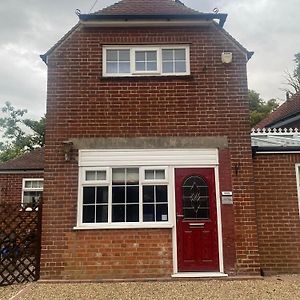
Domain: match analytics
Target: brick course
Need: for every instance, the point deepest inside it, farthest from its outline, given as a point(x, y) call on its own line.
point(277, 212)
point(81, 103)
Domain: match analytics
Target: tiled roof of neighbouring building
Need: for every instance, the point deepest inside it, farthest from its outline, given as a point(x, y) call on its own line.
point(33, 160)
point(286, 110)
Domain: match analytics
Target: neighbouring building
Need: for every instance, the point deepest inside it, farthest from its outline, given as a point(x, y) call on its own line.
point(21, 179)
point(287, 115)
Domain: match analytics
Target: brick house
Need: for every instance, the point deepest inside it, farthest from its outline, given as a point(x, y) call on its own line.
point(148, 161)
point(21, 179)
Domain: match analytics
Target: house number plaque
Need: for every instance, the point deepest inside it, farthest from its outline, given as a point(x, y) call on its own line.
point(227, 197)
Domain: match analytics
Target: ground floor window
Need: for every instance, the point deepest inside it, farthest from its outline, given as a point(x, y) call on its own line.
point(32, 191)
point(123, 195)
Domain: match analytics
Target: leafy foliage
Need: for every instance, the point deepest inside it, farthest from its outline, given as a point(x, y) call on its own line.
point(15, 130)
point(259, 109)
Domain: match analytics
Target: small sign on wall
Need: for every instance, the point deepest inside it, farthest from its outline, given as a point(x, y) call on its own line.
point(227, 197)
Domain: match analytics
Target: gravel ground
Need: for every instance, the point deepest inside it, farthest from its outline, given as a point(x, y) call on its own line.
point(8, 291)
point(283, 287)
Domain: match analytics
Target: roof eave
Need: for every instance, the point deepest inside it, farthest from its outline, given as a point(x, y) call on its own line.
point(84, 18)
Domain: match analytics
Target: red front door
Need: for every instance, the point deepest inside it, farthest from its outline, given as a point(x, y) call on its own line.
point(197, 237)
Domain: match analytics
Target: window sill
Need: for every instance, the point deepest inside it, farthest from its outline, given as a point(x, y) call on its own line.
point(147, 77)
point(127, 226)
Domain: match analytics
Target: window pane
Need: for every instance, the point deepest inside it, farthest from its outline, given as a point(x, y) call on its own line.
point(32, 197)
point(132, 213)
point(112, 67)
point(161, 193)
point(151, 56)
point(35, 184)
point(179, 54)
point(148, 193)
point(132, 176)
point(140, 66)
point(124, 55)
point(101, 213)
point(118, 176)
point(180, 66)
point(132, 194)
point(41, 184)
point(88, 214)
point(28, 184)
point(124, 67)
point(102, 194)
point(90, 175)
point(167, 54)
point(88, 195)
point(112, 55)
point(148, 212)
point(151, 66)
point(149, 174)
point(160, 174)
point(118, 194)
point(140, 56)
point(167, 67)
point(118, 213)
point(101, 175)
point(161, 212)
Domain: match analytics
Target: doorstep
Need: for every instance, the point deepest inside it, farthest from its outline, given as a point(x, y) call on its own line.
point(199, 275)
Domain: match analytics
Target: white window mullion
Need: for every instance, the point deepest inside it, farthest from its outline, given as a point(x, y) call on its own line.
point(109, 209)
point(140, 196)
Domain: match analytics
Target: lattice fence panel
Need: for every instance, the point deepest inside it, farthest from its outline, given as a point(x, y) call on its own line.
point(20, 243)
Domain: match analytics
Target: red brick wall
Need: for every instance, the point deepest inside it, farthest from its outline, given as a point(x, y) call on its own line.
point(227, 214)
point(11, 186)
point(210, 102)
point(277, 212)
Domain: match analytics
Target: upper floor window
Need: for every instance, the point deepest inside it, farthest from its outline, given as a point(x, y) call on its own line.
point(146, 60)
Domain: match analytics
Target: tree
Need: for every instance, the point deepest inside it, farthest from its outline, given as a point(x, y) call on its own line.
point(259, 109)
point(20, 135)
point(293, 79)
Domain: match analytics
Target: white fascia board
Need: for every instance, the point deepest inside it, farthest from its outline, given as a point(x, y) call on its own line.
point(146, 23)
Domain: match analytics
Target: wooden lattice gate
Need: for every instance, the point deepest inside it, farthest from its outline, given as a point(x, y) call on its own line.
point(20, 243)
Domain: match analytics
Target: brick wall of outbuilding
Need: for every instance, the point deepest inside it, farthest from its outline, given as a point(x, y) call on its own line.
point(277, 212)
point(81, 103)
point(11, 185)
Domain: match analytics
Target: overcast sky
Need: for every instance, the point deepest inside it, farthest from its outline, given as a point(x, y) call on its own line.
point(29, 28)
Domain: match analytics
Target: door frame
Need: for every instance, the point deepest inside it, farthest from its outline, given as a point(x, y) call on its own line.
point(219, 219)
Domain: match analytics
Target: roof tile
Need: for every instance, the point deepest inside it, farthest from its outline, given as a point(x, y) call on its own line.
point(33, 160)
point(288, 108)
point(147, 7)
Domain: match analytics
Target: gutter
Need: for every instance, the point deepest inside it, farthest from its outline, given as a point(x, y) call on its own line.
point(85, 18)
point(275, 150)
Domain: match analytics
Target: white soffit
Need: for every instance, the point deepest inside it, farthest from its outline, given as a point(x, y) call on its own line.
point(148, 157)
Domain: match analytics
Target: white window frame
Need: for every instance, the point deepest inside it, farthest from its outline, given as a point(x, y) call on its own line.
point(134, 48)
point(297, 167)
point(116, 225)
point(25, 189)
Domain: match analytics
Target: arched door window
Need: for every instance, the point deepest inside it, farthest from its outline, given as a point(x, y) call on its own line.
point(195, 198)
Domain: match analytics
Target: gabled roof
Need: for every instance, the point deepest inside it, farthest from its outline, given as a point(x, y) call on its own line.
point(33, 160)
point(151, 10)
point(149, 7)
point(288, 109)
